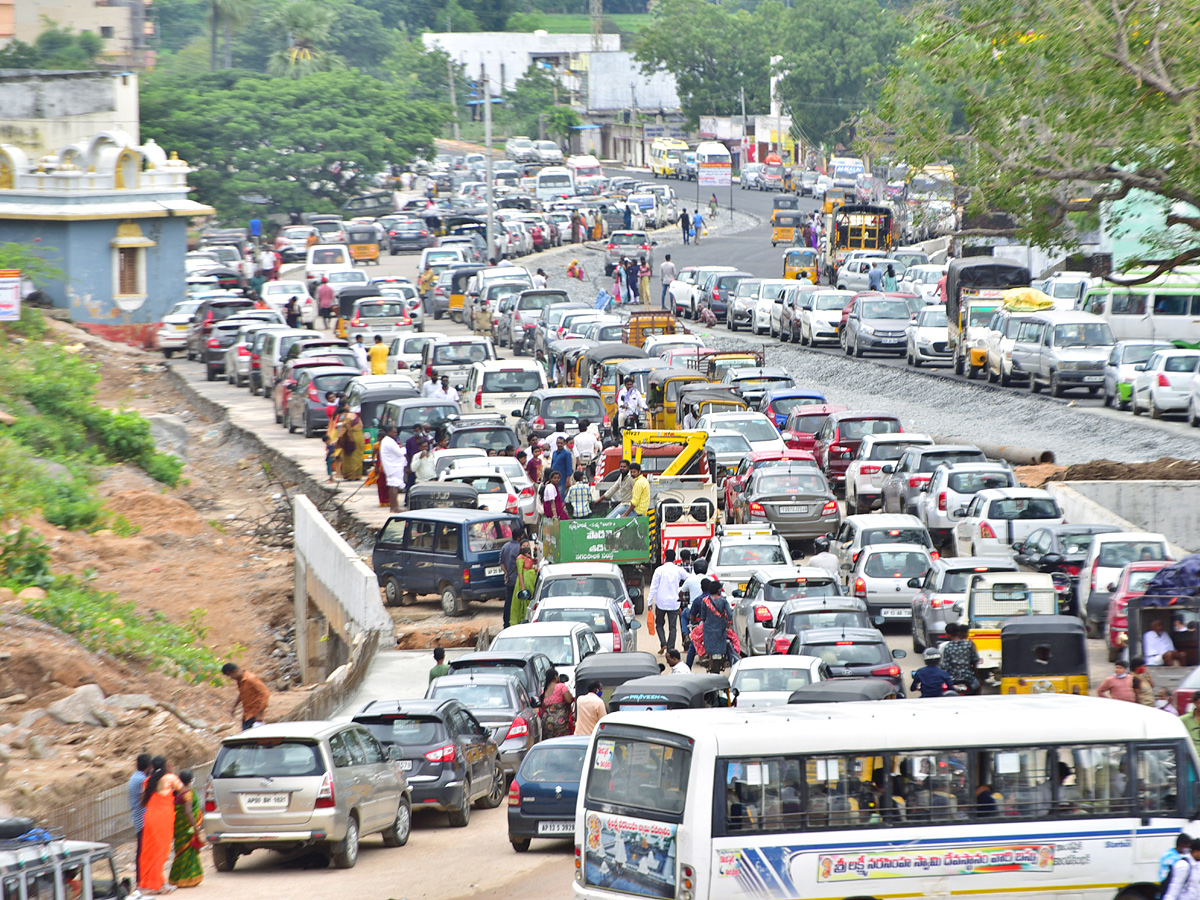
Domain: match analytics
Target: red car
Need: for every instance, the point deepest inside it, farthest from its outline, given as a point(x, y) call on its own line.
point(837, 441)
point(803, 423)
point(735, 482)
point(1130, 584)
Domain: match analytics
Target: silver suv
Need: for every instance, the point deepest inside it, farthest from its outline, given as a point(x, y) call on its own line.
point(1062, 350)
point(293, 785)
point(627, 245)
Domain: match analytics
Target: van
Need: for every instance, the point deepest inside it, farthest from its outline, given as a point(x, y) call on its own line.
point(323, 259)
point(453, 358)
point(1166, 309)
point(1062, 351)
point(443, 255)
point(501, 385)
point(552, 183)
point(667, 158)
point(586, 173)
point(408, 413)
point(376, 204)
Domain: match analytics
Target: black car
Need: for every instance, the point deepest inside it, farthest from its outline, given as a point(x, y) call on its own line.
point(545, 409)
point(450, 759)
point(718, 292)
point(1059, 548)
point(223, 333)
point(207, 314)
point(306, 403)
point(409, 234)
point(851, 652)
point(502, 704)
point(484, 432)
point(541, 803)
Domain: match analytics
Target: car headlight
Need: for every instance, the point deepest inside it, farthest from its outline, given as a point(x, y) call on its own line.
point(1068, 365)
point(866, 329)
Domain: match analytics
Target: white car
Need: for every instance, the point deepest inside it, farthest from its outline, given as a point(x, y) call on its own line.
point(757, 608)
point(769, 680)
point(566, 643)
point(172, 335)
point(468, 456)
point(497, 385)
point(768, 304)
point(669, 201)
point(922, 280)
point(864, 475)
point(548, 152)
point(757, 428)
point(407, 349)
point(612, 630)
point(881, 576)
point(738, 551)
point(925, 337)
point(855, 275)
point(819, 319)
point(278, 293)
point(1002, 334)
point(1119, 370)
point(346, 278)
point(996, 518)
point(558, 580)
point(1163, 383)
point(1107, 556)
point(496, 492)
point(323, 259)
point(951, 487)
point(691, 300)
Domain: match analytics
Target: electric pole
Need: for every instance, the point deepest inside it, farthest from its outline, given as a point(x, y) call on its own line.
point(487, 139)
point(596, 7)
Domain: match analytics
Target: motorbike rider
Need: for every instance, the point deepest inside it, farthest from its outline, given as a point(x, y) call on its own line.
point(630, 402)
point(931, 678)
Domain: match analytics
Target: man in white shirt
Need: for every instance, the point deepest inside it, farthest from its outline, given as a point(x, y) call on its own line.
point(675, 661)
point(664, 594)
point(586, 447)
point(666, 274)
point(445, 391)
point(629, 402)
point(825, 560)
point(539, 280)
point(266, 263)
point(394, 461)
point(1159, 649)
point(360, 353)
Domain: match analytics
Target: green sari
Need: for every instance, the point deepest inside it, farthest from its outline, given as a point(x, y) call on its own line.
point(526, 579)
point(186, 870)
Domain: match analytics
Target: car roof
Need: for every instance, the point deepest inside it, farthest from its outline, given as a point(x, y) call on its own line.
point(827, 635)
point(451, 514)
point(1013, 493)
point(941, 448)
point(601, 568)
point(574, 601)
point(989, 466)
point(790, 573)
point(1082, 528)
point(835, 603)
point(1128, 536)
point(477, 677)
point(307, 730)
point(565, 392)
point(813, 408)
point(872, 549)
point(960, 563)
point(769, 455)
point(902, 437)
point(850, 415)
point(542, 628)
point(421, 706)
point(775, 661)
point(885, 520)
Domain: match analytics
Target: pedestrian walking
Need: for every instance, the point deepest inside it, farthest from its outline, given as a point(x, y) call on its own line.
point(697, 226)
point(1118, 685)
point(526, 579)
point(508, 560)
point(667, 272)
point(664, 594)
point(557, 705)
point(631, 281)
point(712, 206)
point(291, 312)
point(137, 806)
point(1184, 881)
point(589, 708)
point(644, 282)
point(359, 349)
point(579, 497)
point(889, 278)
point(552, 496)
point(325, 301)
point(158, 830)
point(686, 224)
point(439, 667)
point(186, 869)
point(252, 697)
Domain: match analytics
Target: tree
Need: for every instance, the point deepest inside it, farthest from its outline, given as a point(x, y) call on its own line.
point(1069, 107)
point(308, 25)
point(55, 47)
point(285, 145)
point(561, 120)
point(358, 35)
point(227, 14)
point(34, 266)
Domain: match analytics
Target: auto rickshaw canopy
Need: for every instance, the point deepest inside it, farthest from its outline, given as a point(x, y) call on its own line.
point(705, 691)
point(1043, 646)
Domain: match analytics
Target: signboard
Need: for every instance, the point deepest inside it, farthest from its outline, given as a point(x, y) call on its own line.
point(619, 540)
point(654, 132)
point(625, 855)
point(10, 295)
point(715, 174)
point(907, 863)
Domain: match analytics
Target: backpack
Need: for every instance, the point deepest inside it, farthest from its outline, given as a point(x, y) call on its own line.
point(1166, 882)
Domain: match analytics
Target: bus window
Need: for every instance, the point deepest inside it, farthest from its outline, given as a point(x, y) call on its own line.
point(1157, 781)
point(1019, 780)
point(1093, 780)
point(639, 777)
point(12, 887)
point(931, 786)
point(838, 794)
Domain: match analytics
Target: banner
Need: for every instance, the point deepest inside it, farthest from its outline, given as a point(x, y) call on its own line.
point(630, 856)
point(906, 863)
point(715, 174)
point(10, 295)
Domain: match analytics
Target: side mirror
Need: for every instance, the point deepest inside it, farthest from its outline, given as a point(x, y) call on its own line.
point(524, 595)
point(924, 488)
point(1053, 559)
point(738, 592)
point(516, 413)
point(395, 752)
point(821, 543)
point(914, 582)
point(899, 654)
point(635, 624)
point(1112, 586)
point(1140, 367)
point(888, 469)
point(1018, 547)
point(959, 513)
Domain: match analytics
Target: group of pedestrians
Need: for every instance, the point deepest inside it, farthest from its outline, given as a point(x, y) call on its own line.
point(687, 602)
point(631, 281)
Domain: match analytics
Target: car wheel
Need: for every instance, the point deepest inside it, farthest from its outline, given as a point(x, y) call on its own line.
point(396, 834)
point(308, 431)
point(857, 349)
point(499, 789)
point(784, 338)
point(224, 857)
point(1056, 388)
point(521, 845)
point(168, 353)
point(992, 377)
point(729, 323)
point(287, 420)
point(452, 602)
point(1122, 405)
point(918, 645)
point(345, 852)
point(209, 374)
point(1108, 398)
point(805, 340)
point(1191, 415)
point(1155, 412)
point(1005, 377)
point(436, 313)
point(393, 593)
point(191, 357)
point(972, 372)
point(1035, 386)
point(461, 816)
point(1133, 405)
point(959, 365)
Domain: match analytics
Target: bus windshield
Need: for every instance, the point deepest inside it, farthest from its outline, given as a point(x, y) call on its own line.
point(640, 777)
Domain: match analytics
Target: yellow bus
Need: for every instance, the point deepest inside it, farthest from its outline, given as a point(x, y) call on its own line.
point(666, 157)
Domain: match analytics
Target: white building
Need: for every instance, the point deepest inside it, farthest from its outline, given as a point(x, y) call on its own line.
point(43, 111)
point(503, 57)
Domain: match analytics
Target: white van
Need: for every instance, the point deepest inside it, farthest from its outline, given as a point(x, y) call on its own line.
point(586, 174)
point(443, 256)
point(325, 258)
point(552, 183)
point(501, 385)
point(1166, 309)
point(713, 159)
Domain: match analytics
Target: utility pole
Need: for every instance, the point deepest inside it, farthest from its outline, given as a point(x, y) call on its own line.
point(487, 139)
point(453, 98)
point(596, 8)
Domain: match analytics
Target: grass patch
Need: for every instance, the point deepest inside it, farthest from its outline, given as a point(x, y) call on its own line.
point(581, 23)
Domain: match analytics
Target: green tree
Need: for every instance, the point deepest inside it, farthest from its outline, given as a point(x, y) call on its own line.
point(35, 266)
point(56, 47)
point(305, 144)
point(359, 35)
point(1068, 106)
point(560, 120)
point(492, 15)
point(307, 25)
point(227, 14)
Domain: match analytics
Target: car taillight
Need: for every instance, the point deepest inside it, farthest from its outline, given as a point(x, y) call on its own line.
point(860, 588)
point(325, 798)
point(716, 293)
point(518, 728)
point(208, 319)
point(830, 509)
point(442, 754)
point(242, 351)
point(783, 644)
point(762, 614)
point(517, 318)
point(933, 554)
point(942, 501)
point(938, 602)
point(985, 530)
point(255, 361)
point(528, 492)
point(479, 398)
point(610, 246)
point(645, 246)
point(756, 509)
point(424, 234)
point(392, 234)
point(616, 638)
point(854, 558)
point(869, 470)
point(917, 480)
point(312, 393)
point(606, 422)
point(356, 322)
point(1095, 566)
point(514, 794)
point(511, 506)
point(466, 575)
point(887, 672)
point(210, 799)
point(539, 422)
point(213, 342)
point(1163, 381)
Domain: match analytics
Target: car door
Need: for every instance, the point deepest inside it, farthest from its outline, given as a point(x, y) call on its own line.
point(447, 563)
point(892, 487)
point(350, 784)
point(965, 529)
point(1025, 347)
point(1033, 548)
point(383, 783)
point(466, 730)
point(419, 561)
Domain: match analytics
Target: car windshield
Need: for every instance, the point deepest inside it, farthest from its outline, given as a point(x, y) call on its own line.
point(829, 302)
point(403, 730)
point(958, 581)
point(924, 276)
point(1115, 554)
point(794, 623)
point(538, 301)
point(857, 429)
point(751, 555)
point(484, 484)
point(972, 482)
point(727, 443)
point(598, 620)
point(581, 586)
point(573, 408)
point(333, 383)
point(1082, 334)
point(886, 451)
point(557, 647)
point(268, 759)
point(885, 309)
point(497, 439)
point(380, 310)
point(446, 255)
point(981, 316)
point(798, 589)
point(459, 354)
point(347, 277)
point(788, 483)
point(1024, 508)
point(914, 535)
point(430, 415)
point(1138, 353)
point(414, 346)
point(896, 564)
point(930, 461)
point(809, 424)
point(752, 429)
point(934, 317)
point(783, 678)
point(511, 381)
point(848, 653)
point(474, 695)
point(558, 765)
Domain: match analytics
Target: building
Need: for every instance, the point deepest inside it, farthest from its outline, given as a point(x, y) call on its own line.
point(122, 24)
point(753, 140)
point(503, 57)
point(43, 111)
point(113, 216)
point(625, 109)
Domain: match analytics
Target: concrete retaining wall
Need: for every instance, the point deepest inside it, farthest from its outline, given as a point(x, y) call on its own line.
point(1134, 506)
point(336, 595)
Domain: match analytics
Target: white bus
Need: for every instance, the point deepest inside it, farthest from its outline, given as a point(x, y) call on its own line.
point(1166, 309)
point(553, 183)
point(845, 171)
point(1028, 795)
point(587, 173)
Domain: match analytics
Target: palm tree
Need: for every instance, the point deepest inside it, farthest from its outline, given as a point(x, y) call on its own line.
point(307, 25)
point(225, 14)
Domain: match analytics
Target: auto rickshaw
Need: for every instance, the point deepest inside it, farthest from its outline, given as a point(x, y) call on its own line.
point(785, 226)
point(572, 355)
point(662, 394)
point(701, 397)
point(610, 670)
point(994, 598)
point(556, 357)
point(1043, 655)
point(642, 325)
point(439, 494)
point(784, 203)
point(459, 280)
point(672, 692)
point(834, 197)
point(800, 263)
point(637, 369)
point(597, 367)
point(843, 690)
point(364, 244)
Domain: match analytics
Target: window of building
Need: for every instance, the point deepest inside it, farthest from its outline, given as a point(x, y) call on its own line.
point(106, 31)
point(127, 270)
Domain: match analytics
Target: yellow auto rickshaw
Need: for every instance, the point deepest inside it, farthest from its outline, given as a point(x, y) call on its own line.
point(834, 197)
point(571, 357)
point(785, 226)
point(784, 203)
point(662, 394)
point(459, 280)
point(642, 324)
point(1043, 655)
point(800, 263)
point(363, 243)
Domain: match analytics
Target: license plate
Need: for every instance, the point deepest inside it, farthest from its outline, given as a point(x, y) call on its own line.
point(493, 570)
point(896, 612)
point(556, 827)
point(890, 341)
point(405, 765)
point(263, 802)
point(1092, 379)
point(179, 327)
point(794, 510)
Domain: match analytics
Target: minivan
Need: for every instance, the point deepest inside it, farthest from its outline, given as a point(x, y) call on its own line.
point(454, 553)
point(1062, 351)
point(407, 414)
point(501, 385)
point(323, 259)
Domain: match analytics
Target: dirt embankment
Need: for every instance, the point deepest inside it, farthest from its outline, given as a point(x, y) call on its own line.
point(1163, 469)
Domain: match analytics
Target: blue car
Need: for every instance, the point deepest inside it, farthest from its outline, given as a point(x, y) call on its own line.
point(541, 799)
point(454, 553)
point(777, 404)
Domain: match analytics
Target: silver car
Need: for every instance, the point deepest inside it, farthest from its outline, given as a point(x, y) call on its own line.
point(888, 577)
point(627, 245)
point(294, 785)
point(237, 357)
point(768, 591)
point(926, 337)
point(613, 631)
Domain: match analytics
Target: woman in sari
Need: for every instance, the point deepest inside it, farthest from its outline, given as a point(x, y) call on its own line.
point(186, 870)
point(159, 826)
point(526, 579)
point(557, 707)
point(350, 442)
point(332, 435)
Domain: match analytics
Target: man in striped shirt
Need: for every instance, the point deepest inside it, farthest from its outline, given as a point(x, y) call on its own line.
point(579, 497)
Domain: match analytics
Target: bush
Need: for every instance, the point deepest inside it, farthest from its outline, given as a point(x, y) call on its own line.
point(164, 467)
point(25, 559)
